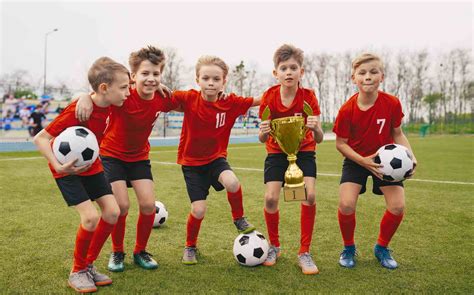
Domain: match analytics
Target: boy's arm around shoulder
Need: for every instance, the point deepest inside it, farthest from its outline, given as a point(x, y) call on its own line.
point(84, 106)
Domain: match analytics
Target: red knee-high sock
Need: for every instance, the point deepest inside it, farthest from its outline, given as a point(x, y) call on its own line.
point(347, 224)
point(118, 234)
point(101, 234)
point(192, 230)
point(272, 220)
point(83, 240)
point(236, 203)
point(144, 227)
point(308, 215)
point(388, 227)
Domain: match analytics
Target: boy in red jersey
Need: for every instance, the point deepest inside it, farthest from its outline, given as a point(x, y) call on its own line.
point(82, 185)
point(202, 152)
point(367, 121)
point(284, 100)
point(125, 153)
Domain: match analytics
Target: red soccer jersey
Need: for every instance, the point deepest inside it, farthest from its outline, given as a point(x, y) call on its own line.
point(272, 99)
point(96, 123)
point(368, 130)
point(130, 126)
point(207, 126)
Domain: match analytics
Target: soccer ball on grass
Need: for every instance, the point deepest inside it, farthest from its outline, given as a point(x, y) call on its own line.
point(250, 249)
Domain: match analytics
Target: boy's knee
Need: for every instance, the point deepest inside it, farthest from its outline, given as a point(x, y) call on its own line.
point(111, 215)
point(311, 199)
point(147, 207)
point(198, 211)
point(271, 201)
point(346, 208)
point(233, 186)
point(89, 221)
point(397, 209)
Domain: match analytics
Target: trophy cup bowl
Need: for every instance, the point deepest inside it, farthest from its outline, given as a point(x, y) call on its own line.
point(289, 132)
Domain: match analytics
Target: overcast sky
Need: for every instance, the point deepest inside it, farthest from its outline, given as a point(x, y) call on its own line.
point(249, 31)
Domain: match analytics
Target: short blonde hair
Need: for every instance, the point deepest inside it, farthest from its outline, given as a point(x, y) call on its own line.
point(104, 70)
point(153, 54)
point(287, 51)
point(207, 60)
point(365, 58)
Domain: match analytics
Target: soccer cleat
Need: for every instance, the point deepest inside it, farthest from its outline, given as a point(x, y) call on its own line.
point(144, 260)
point(347, 256)
point(82, 281)
point(273, 254)
point(384, 257)
point(243, 226)
point(308, 267)
point(116, 262)
point(189, 256)
point(99, 279)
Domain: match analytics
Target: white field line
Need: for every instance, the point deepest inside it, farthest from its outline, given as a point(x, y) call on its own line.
point(331, 174)
point(261, 170)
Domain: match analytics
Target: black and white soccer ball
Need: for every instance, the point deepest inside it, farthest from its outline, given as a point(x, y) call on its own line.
point(76, 142)
point(250, 249)
point(397, 162)
point(161, 214)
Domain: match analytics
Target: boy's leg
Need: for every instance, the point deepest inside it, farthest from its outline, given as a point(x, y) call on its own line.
point(395, 201)
point(272, 220)
point(79, 279)
point(193, 225)
point(308, 215)
point(110, 213)
point(234, 195)
point(348, 196)
point(116, 261)
point(144, 189)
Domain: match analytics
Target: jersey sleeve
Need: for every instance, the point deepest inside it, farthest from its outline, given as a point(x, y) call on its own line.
point(64, 120)
point(169, 103)
point(243, 104)
point(397, 115)
point(342, 124)
point(178, 99)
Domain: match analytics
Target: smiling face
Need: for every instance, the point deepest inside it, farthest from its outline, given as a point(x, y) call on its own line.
point(211, 80)
point(147, 78)
point(289, 73)
point(368, 76)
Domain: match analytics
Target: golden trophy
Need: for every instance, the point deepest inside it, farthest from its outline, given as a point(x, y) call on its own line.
point(289, 132)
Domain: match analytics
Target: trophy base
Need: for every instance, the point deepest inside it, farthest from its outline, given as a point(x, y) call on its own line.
point(295, 193)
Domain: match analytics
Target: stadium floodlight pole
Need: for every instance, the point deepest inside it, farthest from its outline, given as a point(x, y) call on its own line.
point(46, 56)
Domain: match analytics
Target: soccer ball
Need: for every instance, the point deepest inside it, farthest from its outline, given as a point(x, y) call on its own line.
point(250, 249)
point(396, 160)
point(161, 214)
point(76, 142)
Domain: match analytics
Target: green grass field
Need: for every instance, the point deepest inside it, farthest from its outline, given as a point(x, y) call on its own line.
point(434, 244)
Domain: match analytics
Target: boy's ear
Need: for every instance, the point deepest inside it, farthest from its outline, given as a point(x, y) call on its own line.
point(383, 77)
point(103, 87)
point(302, 71)
point(353, 79)
point(275, 74)
point(133, 76)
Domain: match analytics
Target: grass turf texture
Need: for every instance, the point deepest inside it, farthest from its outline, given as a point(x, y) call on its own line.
point(433, 244)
